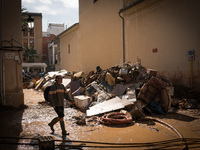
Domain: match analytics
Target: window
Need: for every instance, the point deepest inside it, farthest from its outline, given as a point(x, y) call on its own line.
point(31, 41)
point(56, 61)
point(68, 48)
point(25, 32)
point(25, 42)
point(31, 32)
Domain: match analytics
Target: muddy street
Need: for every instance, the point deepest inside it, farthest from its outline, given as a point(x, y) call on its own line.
point(31, 121)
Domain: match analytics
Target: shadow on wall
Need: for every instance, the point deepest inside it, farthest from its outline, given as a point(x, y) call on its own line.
point(185, 80)
point(183, 89)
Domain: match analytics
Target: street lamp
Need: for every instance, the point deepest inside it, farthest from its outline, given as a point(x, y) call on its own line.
point(30, 22)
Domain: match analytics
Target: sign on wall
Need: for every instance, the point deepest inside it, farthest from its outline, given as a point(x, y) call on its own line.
point(9, 55)
point(191, 55)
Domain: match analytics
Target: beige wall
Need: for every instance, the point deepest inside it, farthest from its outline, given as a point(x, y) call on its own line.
point(69, 54)
point(38, 37)
point(11, 68)
point(170, 26)
point(173, 27)
point(100, 34)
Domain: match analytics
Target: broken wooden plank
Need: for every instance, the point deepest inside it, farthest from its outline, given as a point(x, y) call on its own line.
point(39, 83)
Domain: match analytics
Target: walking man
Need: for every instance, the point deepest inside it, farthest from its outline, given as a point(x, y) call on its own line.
point(56, 96)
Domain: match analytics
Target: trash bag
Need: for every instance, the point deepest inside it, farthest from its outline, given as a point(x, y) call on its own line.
point(156, 108)
point(46, 93)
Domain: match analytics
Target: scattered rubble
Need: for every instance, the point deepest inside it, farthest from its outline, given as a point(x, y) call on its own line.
point(131, 87)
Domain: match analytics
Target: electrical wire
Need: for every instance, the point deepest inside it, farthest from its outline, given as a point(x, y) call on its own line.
point(152, 145)
point(165, 145)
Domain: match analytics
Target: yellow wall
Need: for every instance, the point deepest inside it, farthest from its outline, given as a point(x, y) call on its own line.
point(173, 28)
point(69, 40)
point(100, 34)
point(170, 26)
point(38, 37)
point(11, 68)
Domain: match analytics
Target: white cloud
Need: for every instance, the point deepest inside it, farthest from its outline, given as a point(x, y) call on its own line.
point(54, 11)
point(70, 3)
point(29, 1)
point(37, 1)
point(45, 1)
point(46, 9)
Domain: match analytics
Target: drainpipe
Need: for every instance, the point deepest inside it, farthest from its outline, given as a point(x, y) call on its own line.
point(123, 33)
point(123, 36)
point(1, 77)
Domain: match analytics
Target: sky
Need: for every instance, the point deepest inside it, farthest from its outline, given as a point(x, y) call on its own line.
point(54, 11)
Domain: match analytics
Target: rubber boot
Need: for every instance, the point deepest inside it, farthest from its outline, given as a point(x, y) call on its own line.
point(52, 123)
point(62, 125)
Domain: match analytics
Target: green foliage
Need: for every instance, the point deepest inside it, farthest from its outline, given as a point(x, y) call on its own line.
point(30, 54)
point(24, 19)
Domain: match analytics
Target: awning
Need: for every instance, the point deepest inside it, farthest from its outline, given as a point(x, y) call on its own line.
point(34, 65)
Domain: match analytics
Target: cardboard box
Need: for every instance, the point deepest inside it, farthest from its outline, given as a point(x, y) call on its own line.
point(82, 101)
point(152, 72)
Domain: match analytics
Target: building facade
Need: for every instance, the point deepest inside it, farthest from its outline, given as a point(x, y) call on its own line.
point(159, 32)
point(33, 37)
point(100, 34)
point(164, 34)
point(54, 54)
point(69, 49)
point(55, 28)
point(11, 84)
point(46, 40)
point(63, 49)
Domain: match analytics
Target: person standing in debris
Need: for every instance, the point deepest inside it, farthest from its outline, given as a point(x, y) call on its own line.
point(56, 96)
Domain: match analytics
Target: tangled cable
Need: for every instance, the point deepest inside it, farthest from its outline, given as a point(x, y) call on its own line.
point(161, 145)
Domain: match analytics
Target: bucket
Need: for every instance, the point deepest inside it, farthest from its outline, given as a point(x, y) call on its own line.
point(123, 72)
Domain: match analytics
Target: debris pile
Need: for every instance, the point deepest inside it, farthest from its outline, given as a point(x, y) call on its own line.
point(49, 78)
point(131, 87)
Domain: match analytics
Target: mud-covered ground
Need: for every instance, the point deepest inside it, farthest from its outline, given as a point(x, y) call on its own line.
point(30, 122)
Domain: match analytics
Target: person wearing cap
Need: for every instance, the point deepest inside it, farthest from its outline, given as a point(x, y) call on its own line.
point(57, 94)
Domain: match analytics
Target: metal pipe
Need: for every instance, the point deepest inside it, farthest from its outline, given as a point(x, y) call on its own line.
point(1, 64)
point(123, 37)
point(123, 31)
point(4, 82)
point(191, 61)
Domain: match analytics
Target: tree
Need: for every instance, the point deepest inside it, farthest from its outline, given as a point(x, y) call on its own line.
point(24, 19)
point(30, 54)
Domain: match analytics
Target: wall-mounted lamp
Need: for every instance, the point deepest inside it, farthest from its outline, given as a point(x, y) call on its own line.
point(30, 22)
